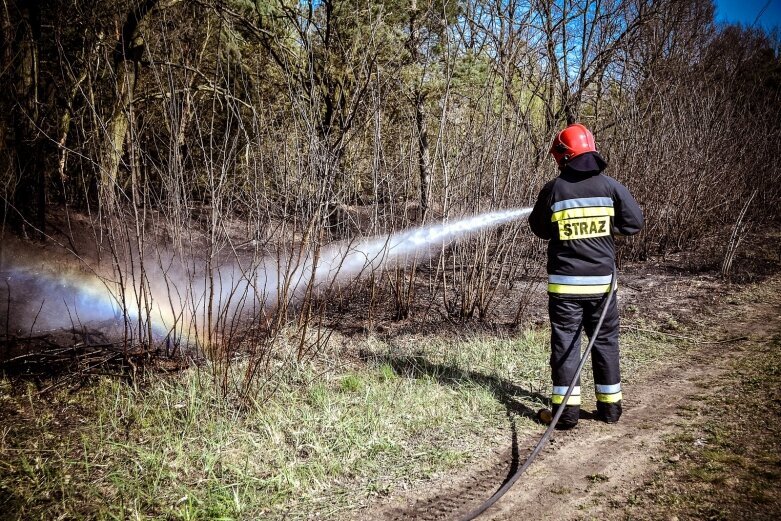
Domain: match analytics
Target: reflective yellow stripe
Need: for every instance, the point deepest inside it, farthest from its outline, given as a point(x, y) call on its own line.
point(574, 213)
point(558, 399)
point(568, 289)
point(609, 398)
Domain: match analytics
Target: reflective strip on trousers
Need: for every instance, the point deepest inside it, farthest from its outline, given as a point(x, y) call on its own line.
point(559, 391)
point(579, 284)
point(608, 393)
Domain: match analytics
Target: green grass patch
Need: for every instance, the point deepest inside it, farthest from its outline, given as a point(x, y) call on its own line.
point(323, 436)
point(597, 478)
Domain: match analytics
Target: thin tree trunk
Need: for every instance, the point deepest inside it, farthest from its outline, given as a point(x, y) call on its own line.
point(30, 191)
point(424, 157)
point(116, 131)
point(127, 55)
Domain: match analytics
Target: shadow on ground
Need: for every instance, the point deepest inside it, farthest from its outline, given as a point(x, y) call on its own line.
point(507, 393)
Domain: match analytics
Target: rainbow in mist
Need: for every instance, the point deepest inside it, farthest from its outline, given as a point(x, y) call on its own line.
point(173, 303)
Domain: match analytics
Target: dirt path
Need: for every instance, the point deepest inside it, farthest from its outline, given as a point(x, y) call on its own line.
point(584, 473)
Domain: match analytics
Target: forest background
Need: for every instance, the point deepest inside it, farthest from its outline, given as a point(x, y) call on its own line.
point(232, 130)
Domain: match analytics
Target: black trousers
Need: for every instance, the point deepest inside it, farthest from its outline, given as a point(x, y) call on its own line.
point(569, 318)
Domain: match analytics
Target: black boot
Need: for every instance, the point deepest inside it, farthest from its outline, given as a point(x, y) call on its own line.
point(609, 412)
point(569, 418)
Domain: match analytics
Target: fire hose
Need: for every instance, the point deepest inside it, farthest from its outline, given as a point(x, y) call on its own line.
point(546, 436)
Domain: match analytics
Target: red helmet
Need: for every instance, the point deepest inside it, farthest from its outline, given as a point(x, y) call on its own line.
point(571, 142)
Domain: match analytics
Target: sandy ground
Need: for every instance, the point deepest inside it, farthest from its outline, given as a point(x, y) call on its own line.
point(584, 473)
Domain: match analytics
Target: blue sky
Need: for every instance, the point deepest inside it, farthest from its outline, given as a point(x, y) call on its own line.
point(746, 11)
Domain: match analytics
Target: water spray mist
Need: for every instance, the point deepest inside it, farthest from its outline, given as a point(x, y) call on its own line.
point(174, 302)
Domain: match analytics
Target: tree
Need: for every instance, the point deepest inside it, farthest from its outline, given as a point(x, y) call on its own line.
point(24, 201)
point(127, 55)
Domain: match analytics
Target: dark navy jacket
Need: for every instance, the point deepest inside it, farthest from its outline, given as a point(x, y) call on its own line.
point(579, 212)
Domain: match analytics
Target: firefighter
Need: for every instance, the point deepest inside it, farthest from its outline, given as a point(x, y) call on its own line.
point(579, 213)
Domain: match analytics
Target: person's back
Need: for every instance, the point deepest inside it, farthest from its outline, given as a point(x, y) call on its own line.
point(579, 212)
